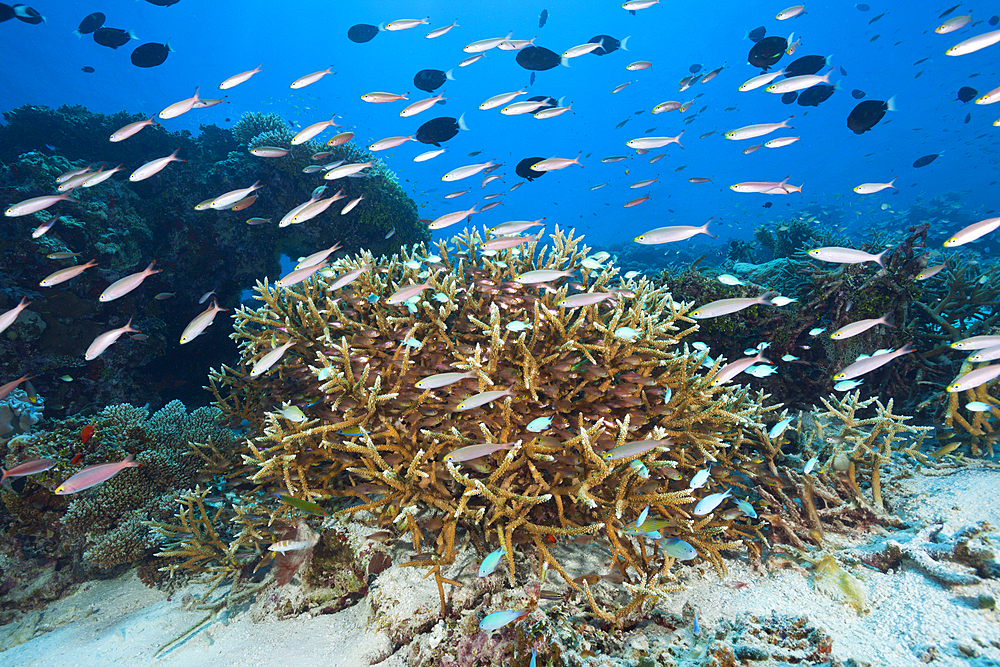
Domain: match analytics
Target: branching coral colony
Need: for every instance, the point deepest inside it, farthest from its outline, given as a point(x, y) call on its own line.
point(605, 374)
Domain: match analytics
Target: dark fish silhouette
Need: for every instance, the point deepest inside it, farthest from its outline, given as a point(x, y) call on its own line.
point(88, 69)
point(524, 170)
point(767, 204)
point(542, 18)
point(361, 33)
point(789, 98)
point(610, 44)
point(858, 94)
point(151, 54)
point(843, 72)
point(538, 58)
point(968, 117)
point(948, 11)
point(862, 7)
point(994, 20)
point(926, 160)
point(163, 3)
point(767, 52)
point(438, 130)
point(867, 114)
point(113, 37)
point(967, 94)
point(550, 103)
point(806, 65)
point(27, 14)
point(815, 95)
point(756, 34)
point(90, 23)
point(694, 69)
point(429, 80)
point(531, 81)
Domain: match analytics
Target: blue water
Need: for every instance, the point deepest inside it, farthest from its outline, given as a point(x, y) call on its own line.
point(216, 40)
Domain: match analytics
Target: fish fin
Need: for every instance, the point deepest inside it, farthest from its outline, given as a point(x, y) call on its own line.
point(564, 61)
point(168, 47)
point(891, 104)
point(621, 44)
point(78, 33)
point(878, 257)
point(461, 125)
point(381, 27)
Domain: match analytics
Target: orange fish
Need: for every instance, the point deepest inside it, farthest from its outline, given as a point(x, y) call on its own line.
point(76, 459)
point(85, 434)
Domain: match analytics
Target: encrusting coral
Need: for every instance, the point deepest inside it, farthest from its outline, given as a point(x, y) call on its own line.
point(342, 416)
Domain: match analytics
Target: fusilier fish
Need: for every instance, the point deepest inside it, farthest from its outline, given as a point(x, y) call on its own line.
point(471, 452)
point(654, 142)
point(403, 24)
point(421, 105)
point(974, 44)
point(466, 171)
point(347, 278)
point(482, 398)
point(541, 276)
point(130, 130)
point(796, 83)
point(486, 44)
point(317, 257)
point(35, 204)
point(178, 108)
point(976, 343)
point(265, 363)
point(760, 80)
point(404, 293)
point(859, 327)
point(731, 370)
point(106, 340)
point(10, 316)
point(311, 131)
point(298, 275)
point(443, 380)
point(972, 232)
point(584, 299)
point(975, 378)
point(237, 79)
point(226, 200)
point(872, 188)
point(501, 99)
point(32, 467)
point(94, 475)
point(728, 306)
point(634, 448)
point(308, 79)
point(154, 167)
point(984, 355)
point(201, 322)
point(121, 287)
point(63, 275)
point(553, 163)
point(449, 219)
point(868, 364)
point(751, 131)
point(672, 234)
point(846, 255)
point(390, 142)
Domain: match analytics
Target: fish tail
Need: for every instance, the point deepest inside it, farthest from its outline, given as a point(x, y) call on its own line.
point(878, 257)
point(78, 33)
point(132, 35)
point(891, 104)
point(564, 61)
point(461, 123)
point(622, 46)
point(169, 47)
point(448, 75)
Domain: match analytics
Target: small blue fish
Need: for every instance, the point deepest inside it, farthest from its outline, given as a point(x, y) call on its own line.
point(517, 326)
point(539, 425)
point(372, 298)
point(498, 619)
point(642, 518)
point(679, 549)
point(779, 428)
point(746, 507)
point(810, 464)
point(697, 630)
point(700, 478)
point(667, 395)
point(640, 468)
point(789, 357)
point(441, 296)
point(413, 342)
point(709, 503)
point(490, 562)
point(847, 385)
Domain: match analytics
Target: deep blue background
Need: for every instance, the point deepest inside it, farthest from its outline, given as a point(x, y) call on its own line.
point(214, 40)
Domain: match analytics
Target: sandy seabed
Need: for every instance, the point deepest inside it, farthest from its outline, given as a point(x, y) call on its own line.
point(912, 618)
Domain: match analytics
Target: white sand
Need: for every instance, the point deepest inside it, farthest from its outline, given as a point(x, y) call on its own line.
point(121, 622)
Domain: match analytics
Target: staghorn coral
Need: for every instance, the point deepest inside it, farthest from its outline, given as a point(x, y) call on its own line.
point(372, 435)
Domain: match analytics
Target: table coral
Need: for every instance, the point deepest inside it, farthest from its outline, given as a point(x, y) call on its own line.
point(353, 369)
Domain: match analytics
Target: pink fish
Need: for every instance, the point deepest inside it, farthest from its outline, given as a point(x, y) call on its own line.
point(11, 386)
point(94, 475)
point(32, 467)
point(10, 316)
point(122, 287)
point(404, 293)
